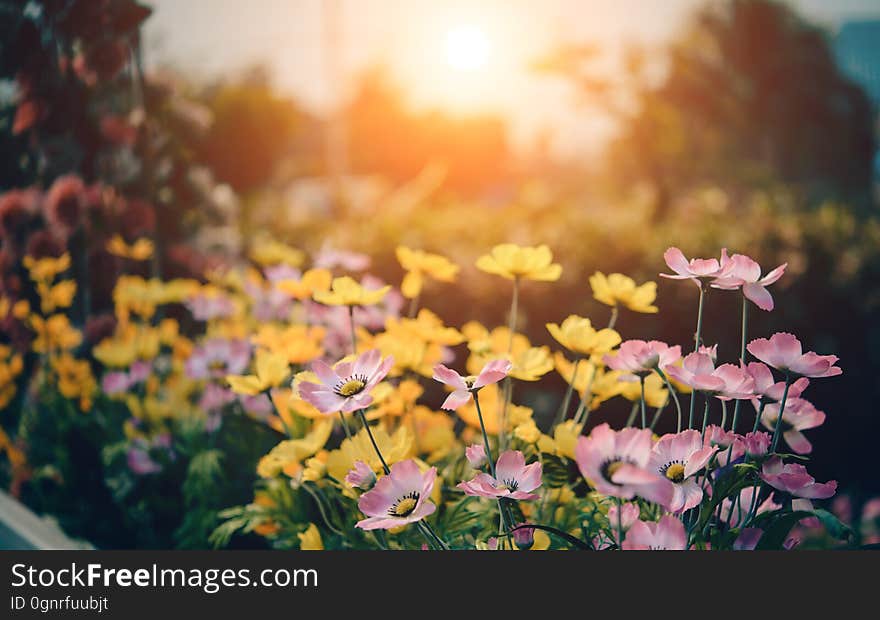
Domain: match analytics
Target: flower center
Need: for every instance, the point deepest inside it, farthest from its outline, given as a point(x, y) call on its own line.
point(610, 467)
point(351, 386)
point(508, 485)
point(470, 380)
point(674, 471)
point(405, 505)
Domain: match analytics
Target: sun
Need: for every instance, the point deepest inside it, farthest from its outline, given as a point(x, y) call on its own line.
point(467, 48)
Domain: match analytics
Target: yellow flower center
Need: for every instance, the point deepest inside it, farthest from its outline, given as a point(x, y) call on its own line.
point(404, 506)
point(351, 387)
point(612, 468)
point(675, 472)
point(470, 380)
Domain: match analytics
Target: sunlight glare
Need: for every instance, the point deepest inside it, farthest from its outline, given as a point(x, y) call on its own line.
point(467, 48)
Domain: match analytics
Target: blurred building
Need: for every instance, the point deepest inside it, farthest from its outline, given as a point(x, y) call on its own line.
point(857, 49)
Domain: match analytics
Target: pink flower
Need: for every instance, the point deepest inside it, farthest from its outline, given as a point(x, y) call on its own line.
point(730, 445)
point(218, 357)
point(725, 382)
point(678, 457)
point(346, 387)
point(616, 463)
point(330, 258)
point(524, 536)
point(667, 534)
point(696, 269)
point(399, 498)
point(734, 511)
point(140, 462)
point(799, 415)
point(769, 388)
point(629, 514)
point(215, 397)
point(115, 382)
point(783, 352)
point(757, 443)
point(641, 358)
point(361, 476)
point(492, 372)
point(208, 307)
point(794, 479)
point(741, 271)
point(476, 455)
point(748, 539)
point(513, 479)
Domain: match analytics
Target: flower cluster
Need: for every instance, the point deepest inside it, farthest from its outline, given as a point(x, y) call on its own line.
point(366, 449)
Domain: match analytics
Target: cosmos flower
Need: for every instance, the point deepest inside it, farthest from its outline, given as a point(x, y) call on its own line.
point(399, 498)
point(513, 479)
point(346, 386)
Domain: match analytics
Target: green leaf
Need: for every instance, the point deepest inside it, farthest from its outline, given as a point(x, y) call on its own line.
point(555, 471)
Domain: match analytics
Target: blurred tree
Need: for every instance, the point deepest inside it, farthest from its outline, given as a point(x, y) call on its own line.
point(253, 129)
point(750, 95)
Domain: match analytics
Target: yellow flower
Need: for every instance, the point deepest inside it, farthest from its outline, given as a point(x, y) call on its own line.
point(75, 380)
point(168, 331)
point(21, 309)
point(140, 250)
point(565, 437)
point(527, 432)
point(512, 261)
point(486, 346)
point(417, 264)
point(271, 370)
point(491, 404)
point(655, 391)
point(310, 540)
point(577, 335)
point(54, 334)
point(427, 327)
point(267, 253)
point(298, 344)
point(583, 379)
point(10, 367)
point(294, 451)
point(57, 296)
point(311, 282)
point(396, 447)
point(395, 401)
point(409, 352)
point(45, 269)
point(531, 364)
point(617, 288)
point(434, 436)
point(346, 291)
point(115, 352)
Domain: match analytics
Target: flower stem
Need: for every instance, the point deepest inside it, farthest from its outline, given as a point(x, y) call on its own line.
point(674, 396)
point(705, 415)
point(344, 425)
point(613, 320)
point(485, 435)
point(723, 414)
point(413, 306)
point(514, 305)
point(644, 415)
point(742, 357)
point(427, 529)
point(619, 523)
point(385, 467)
point(697, 337)
point(758, 415)
point(566, 402)
point(633, 412)
point(777, 430)
point(354, 347)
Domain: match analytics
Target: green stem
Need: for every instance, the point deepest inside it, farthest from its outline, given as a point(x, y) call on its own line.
point(613, 320)
point(777, 430)
point(354, 348)
point(344, 425)
point(742, 356)
point(485, 435)
point(619, 523)
point(566, 402)
point(697, 337)
point(705, 415)
point(632, 414)
point(758, 415)
point(657, 414)
point(674, 396)
point(385, 467)
point(427, 529)
point(413, 306)
point(723, 414)
point(644, 415)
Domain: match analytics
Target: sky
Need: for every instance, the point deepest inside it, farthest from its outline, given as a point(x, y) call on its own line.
point(209, 39)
